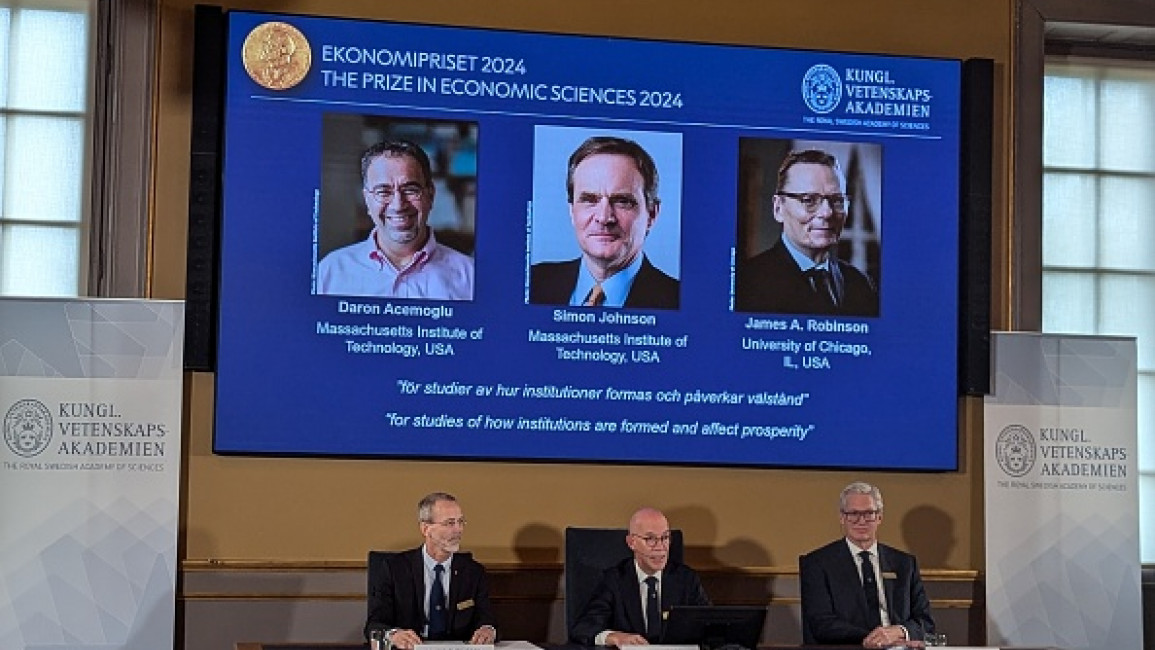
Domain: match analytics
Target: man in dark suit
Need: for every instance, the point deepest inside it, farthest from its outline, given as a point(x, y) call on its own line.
point(857, 591)
point(628, 606)
point(612, 185)
point(433, 591)
point(801, 274)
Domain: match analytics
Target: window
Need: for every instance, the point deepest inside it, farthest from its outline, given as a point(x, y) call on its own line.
point(1099, 224)
point(44, 145)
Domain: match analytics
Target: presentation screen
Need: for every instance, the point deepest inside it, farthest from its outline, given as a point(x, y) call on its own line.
point(440, 242)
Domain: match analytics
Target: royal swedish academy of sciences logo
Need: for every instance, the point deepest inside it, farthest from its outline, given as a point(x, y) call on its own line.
point(821, 88)
point(1015, 450)
point(28, 428)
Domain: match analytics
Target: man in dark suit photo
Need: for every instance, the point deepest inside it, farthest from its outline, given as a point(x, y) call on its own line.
point(628, 606)
point(434, 591)
point(801, 273)
point(612, 188)
point(856, 591)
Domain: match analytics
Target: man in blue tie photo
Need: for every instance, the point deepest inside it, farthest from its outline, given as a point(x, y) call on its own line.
point(857, 591)
point(434, 591)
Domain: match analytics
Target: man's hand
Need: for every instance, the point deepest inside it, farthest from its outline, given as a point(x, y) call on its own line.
point(404, 639)
point(484, 635)
point(885, 637)
point(625, 638)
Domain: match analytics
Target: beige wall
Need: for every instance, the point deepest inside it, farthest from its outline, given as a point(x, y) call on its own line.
point(270, 509)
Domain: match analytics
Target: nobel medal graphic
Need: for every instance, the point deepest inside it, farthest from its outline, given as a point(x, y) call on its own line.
point(276, 55)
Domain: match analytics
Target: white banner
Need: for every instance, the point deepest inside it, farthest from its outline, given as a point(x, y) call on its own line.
point(1061, 477)
point(90, 395)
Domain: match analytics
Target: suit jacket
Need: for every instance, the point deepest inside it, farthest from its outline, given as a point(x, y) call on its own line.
point(397, 592)
point(772, 282)
point(552, 283)
point(833, 602)
point(617, 603)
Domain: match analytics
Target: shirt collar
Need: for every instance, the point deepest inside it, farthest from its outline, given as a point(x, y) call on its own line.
point(800, 258)
point(642, 575)
point(430, 562)
point(616, 287)
point(855, 549)
point(419, 258)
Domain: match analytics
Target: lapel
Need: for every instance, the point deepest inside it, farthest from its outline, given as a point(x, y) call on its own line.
point(569, 283)
point(633, 597)
point(667, 586)
point(417, 580)
point(886, 563)
point(456, 586)
point(638, 288)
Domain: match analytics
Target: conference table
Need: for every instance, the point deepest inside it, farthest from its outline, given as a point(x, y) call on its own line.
point(363, 646)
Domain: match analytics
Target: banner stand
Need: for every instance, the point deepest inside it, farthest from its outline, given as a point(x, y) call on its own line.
point(90, 396)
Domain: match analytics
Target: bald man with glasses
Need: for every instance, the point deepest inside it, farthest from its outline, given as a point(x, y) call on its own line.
point(856, 591)
point(628, 606)
point(801, 273)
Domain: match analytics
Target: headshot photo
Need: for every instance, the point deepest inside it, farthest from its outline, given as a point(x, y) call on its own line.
point(606, 219)
point(809, 227)
point(397, 209)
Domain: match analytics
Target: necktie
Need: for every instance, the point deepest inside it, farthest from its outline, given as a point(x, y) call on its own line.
point(653, 611)
point(821, 284)
point(595, 297)
point(438, 616)
point(870, 590)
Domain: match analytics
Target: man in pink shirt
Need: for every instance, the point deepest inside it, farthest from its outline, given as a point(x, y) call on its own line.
point(401, 257)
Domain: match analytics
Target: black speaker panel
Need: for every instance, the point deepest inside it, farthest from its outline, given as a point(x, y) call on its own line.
point(975, 167)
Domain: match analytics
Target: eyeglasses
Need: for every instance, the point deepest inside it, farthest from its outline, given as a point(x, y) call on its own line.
point(448, 523)
point(409, 191)
point(857, 516)
point(654, 541)
point(812, 200)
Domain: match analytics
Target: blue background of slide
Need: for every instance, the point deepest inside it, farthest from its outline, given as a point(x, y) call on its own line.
point(282, 388)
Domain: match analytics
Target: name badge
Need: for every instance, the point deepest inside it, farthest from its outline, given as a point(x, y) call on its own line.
point(465, 604)
point(889, 575)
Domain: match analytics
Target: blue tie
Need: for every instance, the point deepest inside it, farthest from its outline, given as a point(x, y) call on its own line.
point(438, 616)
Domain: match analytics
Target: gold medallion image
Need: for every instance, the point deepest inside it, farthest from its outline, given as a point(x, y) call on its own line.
point(276, 55)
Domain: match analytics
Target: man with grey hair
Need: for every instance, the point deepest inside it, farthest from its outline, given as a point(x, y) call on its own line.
point(434, 591)
point(857, 591)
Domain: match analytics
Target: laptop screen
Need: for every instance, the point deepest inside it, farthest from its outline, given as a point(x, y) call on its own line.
point(714, 626)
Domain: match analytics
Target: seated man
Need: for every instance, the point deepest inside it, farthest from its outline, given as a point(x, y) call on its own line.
point(857, 591)
point(627, 606)
point(454, 600)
